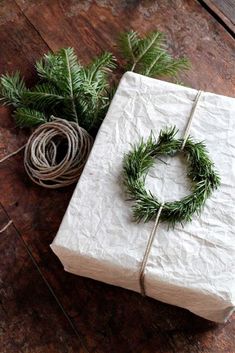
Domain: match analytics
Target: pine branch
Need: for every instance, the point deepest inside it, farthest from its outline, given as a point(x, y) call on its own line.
point(148, 48)
point(83, 94)
point(49, 67)
point(83, 88)
point(12, 88)
point(43, 96)
point(104, 105)
point(99, 68)
point(63, 70)
point(164, 65)
point(93, 98)
point(72, 77)
point(138, 51)
point(128, 43)
point(26, 117)
point(148, 55)
point(94, 76)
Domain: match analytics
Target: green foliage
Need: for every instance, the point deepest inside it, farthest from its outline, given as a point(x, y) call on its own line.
point(43, 95)
point(82, 94)
point(12, 87)
point(63, 70)
point(148, 55)
point(48, 67)
point(94, 92)
point(29, 117)
point(200, 170)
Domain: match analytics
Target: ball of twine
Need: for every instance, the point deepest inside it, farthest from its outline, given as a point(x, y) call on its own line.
point(56, 153)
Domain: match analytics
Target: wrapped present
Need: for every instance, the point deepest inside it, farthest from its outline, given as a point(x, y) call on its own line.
point(190, 265)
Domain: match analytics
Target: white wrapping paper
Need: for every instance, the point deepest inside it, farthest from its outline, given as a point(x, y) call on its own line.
point(192, 266)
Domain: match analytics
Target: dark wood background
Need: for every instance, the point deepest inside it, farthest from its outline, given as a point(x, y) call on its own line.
point(42, 308)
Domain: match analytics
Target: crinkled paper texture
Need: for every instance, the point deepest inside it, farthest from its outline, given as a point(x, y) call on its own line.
point(192, 266)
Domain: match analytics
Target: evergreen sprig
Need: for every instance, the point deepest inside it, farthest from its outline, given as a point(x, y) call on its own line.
point(82, 93)
point(200, 170)
point(43, 95)
point(83, 88)
point(12, 88)
point(148, 55)
point(94, 96)
point(66, 89)
point(29, 117)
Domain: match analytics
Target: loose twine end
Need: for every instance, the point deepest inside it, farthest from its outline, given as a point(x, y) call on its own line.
point(43, 149)
point(6, 226)
point(190, 120)
point(12, 154)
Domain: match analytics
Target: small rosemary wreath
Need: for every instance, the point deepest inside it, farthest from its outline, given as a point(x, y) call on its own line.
point(137, 163)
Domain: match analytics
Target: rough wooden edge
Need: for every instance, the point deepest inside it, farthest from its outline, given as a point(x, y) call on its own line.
point(219, 16)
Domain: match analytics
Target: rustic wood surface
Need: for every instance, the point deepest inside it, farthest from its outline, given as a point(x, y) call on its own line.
point(227, 7)
point(225, 10)
point(43, 309)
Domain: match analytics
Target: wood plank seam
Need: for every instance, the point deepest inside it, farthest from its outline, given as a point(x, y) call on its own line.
point(31, 24)
point(221, 10)
point(80, 339)
point(204, 4)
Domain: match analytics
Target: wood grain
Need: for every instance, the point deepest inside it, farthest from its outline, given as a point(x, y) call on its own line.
point(108, 319)
point(20, 44)
point(31, 320)
point(93, 26)
point(225, 9)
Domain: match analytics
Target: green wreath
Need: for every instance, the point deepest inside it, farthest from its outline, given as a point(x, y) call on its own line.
point(137, 163)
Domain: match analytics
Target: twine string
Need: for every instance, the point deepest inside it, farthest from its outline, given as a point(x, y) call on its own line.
point(190, 120)
point(156, 224)
point(12, 154)
point(6, 226)
point(41, 153)
point(147, 251)
point(41, 159)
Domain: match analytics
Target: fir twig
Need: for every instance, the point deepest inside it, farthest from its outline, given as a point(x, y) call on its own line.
point(43, 95)
point(148, 55)
point(78, 93)
point(12, 88)
point(63, 70)
point(93, 93)
point(26, 117)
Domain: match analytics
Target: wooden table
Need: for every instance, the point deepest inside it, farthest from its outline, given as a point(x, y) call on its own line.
point(43, 309)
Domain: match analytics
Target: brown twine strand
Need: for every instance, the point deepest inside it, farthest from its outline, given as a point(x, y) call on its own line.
point(12, 154)
point(190, 120)
point(147, 251)
point(155, 227)
point(41, 153)
point(6, 226)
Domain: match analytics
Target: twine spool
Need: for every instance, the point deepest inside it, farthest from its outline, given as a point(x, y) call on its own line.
point(56, 153)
